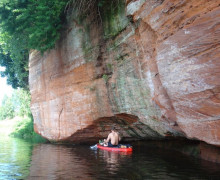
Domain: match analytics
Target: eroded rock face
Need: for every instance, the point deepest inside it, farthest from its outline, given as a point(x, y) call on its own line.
point(158, 76)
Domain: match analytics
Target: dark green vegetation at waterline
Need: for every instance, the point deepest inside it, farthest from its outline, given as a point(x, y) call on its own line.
point(24, 130)
point(15, 116)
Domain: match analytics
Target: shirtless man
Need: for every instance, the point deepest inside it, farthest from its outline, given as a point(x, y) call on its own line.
point(113, 138)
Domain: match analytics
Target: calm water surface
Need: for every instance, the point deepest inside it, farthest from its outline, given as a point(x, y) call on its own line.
point(22, 160)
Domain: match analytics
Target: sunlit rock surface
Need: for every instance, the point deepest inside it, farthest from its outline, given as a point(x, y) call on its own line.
point(153, 71)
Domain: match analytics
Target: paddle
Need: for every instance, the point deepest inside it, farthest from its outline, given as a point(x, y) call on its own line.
point(94, 147)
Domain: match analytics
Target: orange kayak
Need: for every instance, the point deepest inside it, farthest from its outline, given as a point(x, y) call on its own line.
point(114, 148)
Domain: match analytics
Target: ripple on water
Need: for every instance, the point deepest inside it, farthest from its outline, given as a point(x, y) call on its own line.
point(22, 160)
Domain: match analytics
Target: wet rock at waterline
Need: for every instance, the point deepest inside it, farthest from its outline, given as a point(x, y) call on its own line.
point(151, 69)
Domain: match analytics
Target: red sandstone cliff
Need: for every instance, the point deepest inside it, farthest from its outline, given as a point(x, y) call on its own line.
point(158, 76)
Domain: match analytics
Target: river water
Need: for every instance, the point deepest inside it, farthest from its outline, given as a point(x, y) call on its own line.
point(23, 160)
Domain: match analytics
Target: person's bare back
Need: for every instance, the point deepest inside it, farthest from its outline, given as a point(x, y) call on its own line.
point(113, 138)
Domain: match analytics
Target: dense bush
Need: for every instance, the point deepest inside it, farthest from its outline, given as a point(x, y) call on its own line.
point(24, 130)
point(26, 25)
point(34, 23)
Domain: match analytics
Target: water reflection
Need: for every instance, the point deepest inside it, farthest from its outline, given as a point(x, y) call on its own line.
point(114, 159)
point(80, 162)
point(74, 162)
point(156, 160)
point(192, 148)
point(15, 156)
point(57, 162)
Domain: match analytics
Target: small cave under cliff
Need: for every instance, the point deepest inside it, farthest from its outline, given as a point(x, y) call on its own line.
point(128, 126)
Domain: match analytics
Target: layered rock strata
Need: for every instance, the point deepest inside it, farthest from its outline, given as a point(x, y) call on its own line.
point(151, 68)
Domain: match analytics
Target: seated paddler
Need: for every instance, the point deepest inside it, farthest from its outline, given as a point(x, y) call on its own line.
point(113, 138)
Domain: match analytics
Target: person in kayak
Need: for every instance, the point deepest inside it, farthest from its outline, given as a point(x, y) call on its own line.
point(113, 138)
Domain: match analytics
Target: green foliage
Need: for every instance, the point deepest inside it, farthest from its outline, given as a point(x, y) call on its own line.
point(109, 67)
point(101, 3)
point(26, 25)
point(113, 17)
point(24, 130)
point(105, 77)
point(7, 108)
point(21, 99)
point(38, 22)
point(18, 104)
point(16, 69)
